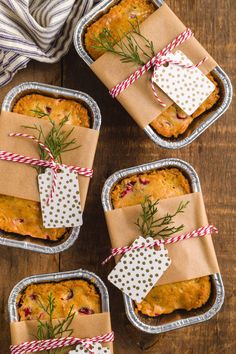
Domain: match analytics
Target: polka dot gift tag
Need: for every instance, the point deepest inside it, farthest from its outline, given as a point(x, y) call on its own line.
point(139, 270)
point(187, 87)
point(96, 348)
point(64, 208)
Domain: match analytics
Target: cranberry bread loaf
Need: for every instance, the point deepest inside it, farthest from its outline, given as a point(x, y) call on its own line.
point(80, 294)
point(161, 184)
point(23, 217)
point(35, 105)
point(118, 21)
point(187, 295)
point(173, 121)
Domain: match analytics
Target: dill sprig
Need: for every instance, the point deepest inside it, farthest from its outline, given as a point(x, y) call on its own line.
point(151, 226)
point(130, 51)
point(50, 330)
point(57, 140)
point(38, 112)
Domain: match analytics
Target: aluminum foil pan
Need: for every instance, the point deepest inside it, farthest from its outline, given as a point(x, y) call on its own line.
point(56, 92)
point(99, 10)
point(26, 242)
point(200, 124)
point(56, 277)
point(177, 319)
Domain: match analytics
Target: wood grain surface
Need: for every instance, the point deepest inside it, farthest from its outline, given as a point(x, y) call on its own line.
point(122, 144)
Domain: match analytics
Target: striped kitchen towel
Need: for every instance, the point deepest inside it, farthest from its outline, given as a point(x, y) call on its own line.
point(36, 29)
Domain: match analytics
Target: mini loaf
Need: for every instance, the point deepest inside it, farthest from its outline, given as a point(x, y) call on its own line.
point(161, 184)
point(80, 294)
point(23, 217)
point(173, 121)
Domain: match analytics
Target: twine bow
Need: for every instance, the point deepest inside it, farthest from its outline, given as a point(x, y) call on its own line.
point(200, 232)
point(56, 343)
point(158, 60)
point(55, 166)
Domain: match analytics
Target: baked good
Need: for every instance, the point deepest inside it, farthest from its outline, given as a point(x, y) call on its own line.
point(23, 217)
point(80, 294)
point(161, 184)
point(35, 105)
point(186, 295)
point(173, 121)
point(119, 21)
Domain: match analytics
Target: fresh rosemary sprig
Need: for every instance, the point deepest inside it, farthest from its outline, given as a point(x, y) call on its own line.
point(50, 330)
point(130, 51)
point(57, 140)
point(153, 227)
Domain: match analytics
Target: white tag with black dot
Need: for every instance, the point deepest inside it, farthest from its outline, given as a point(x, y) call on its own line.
point(96, 348)
point(187, 87)
point(138, 270)
point(64, 209)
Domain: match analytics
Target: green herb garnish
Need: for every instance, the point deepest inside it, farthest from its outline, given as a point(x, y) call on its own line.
point(58, 329)
point(151, 226)
point(57, 140)
point(38, 112)
point(131, 51)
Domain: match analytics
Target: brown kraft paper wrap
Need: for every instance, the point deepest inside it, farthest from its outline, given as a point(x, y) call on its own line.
point(161, 28)
point(191, 258)
point(20, 180)
point(83, 327)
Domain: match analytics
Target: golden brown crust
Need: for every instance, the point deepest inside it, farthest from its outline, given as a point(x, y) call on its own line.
point(22, 216)
point(187, 295)
point(118, 20)
point(169, 125)
point(80, 294)
point(58, 108)
point(173, 121)
point(161, 184)
point(158, 184)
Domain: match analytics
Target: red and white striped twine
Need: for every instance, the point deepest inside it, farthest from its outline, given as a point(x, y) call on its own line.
point(9, 156)
point(49, 344)
point(201, 231)
point(159, 59)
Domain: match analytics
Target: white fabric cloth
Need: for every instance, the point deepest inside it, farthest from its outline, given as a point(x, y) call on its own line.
point(36, 29)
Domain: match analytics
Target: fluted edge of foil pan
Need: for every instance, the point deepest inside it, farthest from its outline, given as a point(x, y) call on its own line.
point(216, 280)
point(57, 277)
point(26, 242)
point(199, 124)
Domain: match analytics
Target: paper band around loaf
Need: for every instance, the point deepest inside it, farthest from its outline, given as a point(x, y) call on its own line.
point(13, 176)
point(190, 259)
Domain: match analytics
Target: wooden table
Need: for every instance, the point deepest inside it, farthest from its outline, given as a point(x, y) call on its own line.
point(123, 144)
